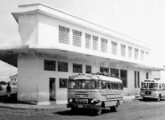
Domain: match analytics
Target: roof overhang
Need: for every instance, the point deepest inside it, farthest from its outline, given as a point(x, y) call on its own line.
point(10, 56)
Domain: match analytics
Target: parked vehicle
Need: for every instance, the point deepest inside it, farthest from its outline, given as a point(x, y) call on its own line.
point(94, 92)
point(152, 89)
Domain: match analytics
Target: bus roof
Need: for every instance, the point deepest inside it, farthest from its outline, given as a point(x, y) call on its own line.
point(97, 77)
point(152, 81)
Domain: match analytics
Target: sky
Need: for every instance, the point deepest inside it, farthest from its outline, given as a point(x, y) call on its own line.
point(143, 20)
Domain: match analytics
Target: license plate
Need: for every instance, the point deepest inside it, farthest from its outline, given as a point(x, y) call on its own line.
point(80, 106)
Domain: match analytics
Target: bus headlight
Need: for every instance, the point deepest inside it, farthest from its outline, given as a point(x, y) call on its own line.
point(94, 101)
point(70, 100)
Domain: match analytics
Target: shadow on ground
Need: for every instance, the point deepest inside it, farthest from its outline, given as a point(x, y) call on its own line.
point(85, 112)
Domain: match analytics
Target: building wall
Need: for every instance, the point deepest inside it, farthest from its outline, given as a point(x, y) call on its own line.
point(33, 80)
point(40, 31)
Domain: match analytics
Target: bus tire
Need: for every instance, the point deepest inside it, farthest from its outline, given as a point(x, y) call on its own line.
point(74, 109)
point(98, 111)
point(144, 99)
point(114, 108)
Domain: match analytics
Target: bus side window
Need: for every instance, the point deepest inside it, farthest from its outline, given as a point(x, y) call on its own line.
point(115, 85)
point(109, 85)
point(103, 85)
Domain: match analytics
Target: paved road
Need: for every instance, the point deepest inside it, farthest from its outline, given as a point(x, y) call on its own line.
point(137, 110)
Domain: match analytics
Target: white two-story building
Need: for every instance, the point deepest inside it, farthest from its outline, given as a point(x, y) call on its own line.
point(55, 45)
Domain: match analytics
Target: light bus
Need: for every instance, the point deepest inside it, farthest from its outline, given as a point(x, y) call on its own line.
point(152, 89)
point(94, 92)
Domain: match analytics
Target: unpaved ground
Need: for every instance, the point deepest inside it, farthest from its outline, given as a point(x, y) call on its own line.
point(137, 110)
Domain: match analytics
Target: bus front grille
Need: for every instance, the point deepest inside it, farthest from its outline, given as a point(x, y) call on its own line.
point(81, 101)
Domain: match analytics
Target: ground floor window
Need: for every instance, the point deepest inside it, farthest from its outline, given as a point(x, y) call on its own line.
point(62, 66)
point(123, 77)
point(104, 70)
point(88, 69)
point(114, 72)
point(49, 65)
point(63, 82)
point(147, 75)
point(137, 79)
point(77, 68)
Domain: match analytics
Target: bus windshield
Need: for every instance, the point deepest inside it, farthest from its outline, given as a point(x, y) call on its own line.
point(83, 84)
point(149, 85)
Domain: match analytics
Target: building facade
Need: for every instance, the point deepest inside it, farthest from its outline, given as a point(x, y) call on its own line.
point(56, 45)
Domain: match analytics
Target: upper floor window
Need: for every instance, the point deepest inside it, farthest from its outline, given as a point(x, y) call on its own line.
point(49, 65)
point(130, 52)
point(62, 66)
point(114, 48)
point(123, 50)
point(87, 40)
point(136, 53)
point(88, 69)
point(103, 45)
point(95, 43)
point(63, 35)
point(142, 55)
point(77, 38)
point(77, 68)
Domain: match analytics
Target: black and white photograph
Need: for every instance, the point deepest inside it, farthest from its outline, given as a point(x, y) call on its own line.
point(82, 60)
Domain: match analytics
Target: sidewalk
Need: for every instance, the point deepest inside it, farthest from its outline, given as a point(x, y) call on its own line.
point(29, 106)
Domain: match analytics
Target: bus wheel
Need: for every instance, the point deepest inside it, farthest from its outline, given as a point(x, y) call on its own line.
point(74, 109)
point(144, 99)
point(98, 111)
point(114, 108)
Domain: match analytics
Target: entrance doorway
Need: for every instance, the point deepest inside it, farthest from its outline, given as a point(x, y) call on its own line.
point(52, 89)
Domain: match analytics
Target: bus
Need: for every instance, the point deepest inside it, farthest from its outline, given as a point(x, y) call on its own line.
point(94, 92)
point(152, 89)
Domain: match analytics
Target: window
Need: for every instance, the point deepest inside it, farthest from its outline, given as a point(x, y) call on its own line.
point(103, 45)
point(63, 35)
point(123, 50)
point(142, 55)
point(95, 43)
point(77, 68)
point(137, 79)
point(123, 77)
point(147, 75)
point(136, 53)
point(130, 52)
point(49, 65)
point(114, 72)
point(104, 70)
point(114, 48)
point(63, 82)
point(76, 38)
point(62, 66)
point(88, 69)
point(88, 40)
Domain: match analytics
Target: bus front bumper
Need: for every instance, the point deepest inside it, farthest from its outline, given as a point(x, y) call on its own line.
point(89, 106)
